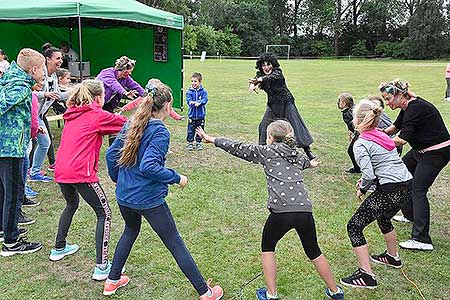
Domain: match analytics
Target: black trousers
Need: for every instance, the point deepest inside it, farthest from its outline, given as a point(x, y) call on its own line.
point(424, 168)
point(351, 154)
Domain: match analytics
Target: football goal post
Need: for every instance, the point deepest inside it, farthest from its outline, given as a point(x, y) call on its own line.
point(279, 50)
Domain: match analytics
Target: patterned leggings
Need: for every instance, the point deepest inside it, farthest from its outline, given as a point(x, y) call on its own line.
point(381, 206)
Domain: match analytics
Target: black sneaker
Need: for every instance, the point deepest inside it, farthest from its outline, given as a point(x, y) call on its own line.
point(22, 246)
point(24, 220)
point(353, 171)
point(386, 259)
point(22, 232)
point(30, 203)
point(360, 279)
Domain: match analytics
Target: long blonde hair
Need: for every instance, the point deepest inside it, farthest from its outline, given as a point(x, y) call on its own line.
point(85, 92)
point(157, 97)
point(367, 115)
point(282, 131)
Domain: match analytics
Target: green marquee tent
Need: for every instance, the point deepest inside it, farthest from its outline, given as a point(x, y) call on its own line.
point(100, 31)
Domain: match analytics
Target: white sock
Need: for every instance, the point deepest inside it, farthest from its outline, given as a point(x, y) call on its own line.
point(112, 281)
point(269, 296)
point(209, 293)
point(102, 266)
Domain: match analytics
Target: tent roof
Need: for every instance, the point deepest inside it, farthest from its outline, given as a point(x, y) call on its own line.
point(124, 10)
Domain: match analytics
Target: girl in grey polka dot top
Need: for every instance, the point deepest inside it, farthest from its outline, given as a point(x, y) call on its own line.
point(282, 162)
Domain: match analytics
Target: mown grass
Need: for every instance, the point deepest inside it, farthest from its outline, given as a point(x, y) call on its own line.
point(222, 211)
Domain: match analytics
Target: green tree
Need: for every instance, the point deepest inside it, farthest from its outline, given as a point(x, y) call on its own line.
point(427, 31)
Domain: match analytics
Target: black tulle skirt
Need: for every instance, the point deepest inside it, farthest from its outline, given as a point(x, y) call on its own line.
point(302, 135)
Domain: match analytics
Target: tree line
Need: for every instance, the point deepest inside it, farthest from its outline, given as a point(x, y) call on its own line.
point(416, 29)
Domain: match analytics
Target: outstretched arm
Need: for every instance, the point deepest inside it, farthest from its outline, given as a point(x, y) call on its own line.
point(248, 152)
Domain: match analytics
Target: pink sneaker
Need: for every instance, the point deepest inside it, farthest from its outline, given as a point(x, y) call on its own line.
point(110, 287)
point(217, 292)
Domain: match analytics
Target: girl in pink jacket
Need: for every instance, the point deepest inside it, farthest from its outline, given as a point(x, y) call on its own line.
point(76, 172)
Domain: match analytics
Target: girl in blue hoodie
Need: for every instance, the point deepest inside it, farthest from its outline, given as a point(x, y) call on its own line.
point(136, 162)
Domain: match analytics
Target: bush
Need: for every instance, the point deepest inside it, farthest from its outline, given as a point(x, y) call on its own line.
point(392, 49)
point(321, 48)
point(359, 48)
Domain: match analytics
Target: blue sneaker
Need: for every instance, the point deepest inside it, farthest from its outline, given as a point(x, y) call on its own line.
point(30, 193)
point(56, 255)
point(101, 275)
point(261, 294)
point(40, 177)
point(339, 295)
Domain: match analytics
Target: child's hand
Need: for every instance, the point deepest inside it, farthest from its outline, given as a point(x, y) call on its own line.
point(51, 95)
point(197, 104)
point(131, 94)
point(206, 138)
point(359, 194)
point(358, 183)
point(41, 130)
point(183, 181)
point(314, 162)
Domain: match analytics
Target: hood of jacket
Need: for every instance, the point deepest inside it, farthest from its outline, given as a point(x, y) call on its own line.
point(16, 75)
point(75, 112)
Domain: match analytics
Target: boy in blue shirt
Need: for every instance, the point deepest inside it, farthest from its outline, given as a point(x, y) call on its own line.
point(196, 99)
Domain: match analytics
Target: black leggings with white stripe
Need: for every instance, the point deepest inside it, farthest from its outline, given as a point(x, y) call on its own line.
point(94, 195)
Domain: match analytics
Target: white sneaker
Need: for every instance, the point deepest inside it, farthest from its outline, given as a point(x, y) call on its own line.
point(416, 245)
point(401, 219)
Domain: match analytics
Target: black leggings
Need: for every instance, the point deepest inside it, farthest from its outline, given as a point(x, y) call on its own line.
point(381, 206)
point(96, 198)
point(278, 224)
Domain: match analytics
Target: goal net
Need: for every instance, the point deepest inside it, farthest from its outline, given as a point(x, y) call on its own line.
point(279, 50)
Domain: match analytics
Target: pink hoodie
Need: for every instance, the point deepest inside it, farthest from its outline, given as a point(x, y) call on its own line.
point(81, 140)
point(34, 115)
point(379, 137)
point(135, 103)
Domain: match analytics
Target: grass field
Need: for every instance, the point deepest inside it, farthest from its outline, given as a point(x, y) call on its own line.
point(221, 212)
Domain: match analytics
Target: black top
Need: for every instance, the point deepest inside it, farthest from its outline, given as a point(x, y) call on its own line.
point(421, 125)
point(278, 94)
point(347, 116)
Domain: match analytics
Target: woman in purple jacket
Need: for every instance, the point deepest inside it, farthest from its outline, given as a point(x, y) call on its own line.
point(118, 83)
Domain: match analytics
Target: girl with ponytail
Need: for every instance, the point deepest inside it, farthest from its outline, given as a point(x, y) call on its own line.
point(76, 172)
point(378, 159)
point(136, 163)
point(288, 203)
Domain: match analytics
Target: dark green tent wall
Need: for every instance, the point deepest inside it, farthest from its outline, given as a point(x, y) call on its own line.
point(103, 39)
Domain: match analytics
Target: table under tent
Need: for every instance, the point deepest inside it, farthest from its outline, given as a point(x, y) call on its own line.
point(100, 31)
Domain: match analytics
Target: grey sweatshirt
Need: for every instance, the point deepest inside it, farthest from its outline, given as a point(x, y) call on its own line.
point(378, 162)
point(50, 85)
point(282, 165)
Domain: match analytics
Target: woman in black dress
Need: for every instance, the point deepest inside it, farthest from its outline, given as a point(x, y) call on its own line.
point(280, 102)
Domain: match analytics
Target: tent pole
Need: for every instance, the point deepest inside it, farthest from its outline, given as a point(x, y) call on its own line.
point(80, 42)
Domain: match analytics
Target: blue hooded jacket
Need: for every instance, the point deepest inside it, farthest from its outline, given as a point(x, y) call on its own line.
point(15, 111)
point(196, 95)
point(144, 185)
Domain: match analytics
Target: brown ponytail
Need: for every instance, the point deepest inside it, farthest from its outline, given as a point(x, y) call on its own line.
point(150, 106)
